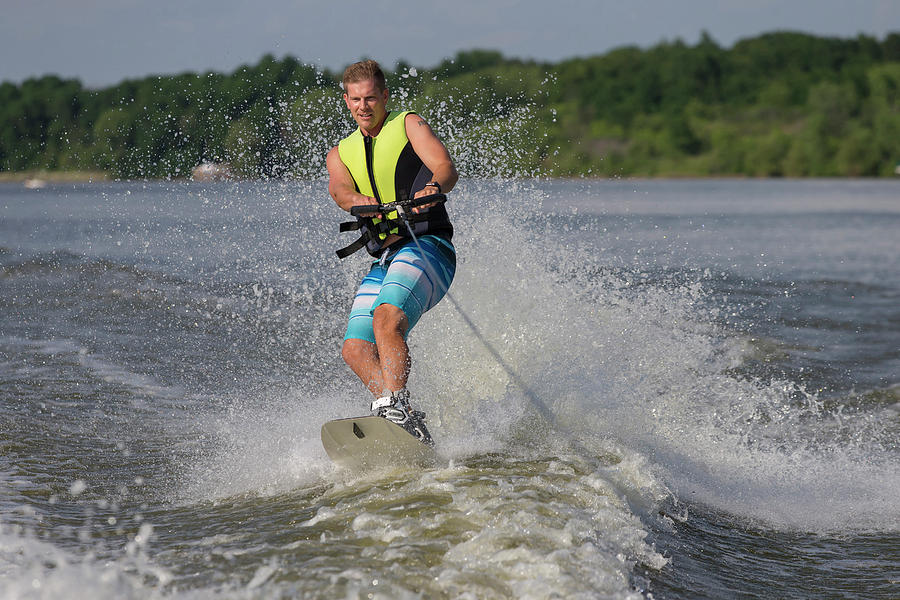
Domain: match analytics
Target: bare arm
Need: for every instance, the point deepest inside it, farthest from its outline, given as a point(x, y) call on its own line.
point(433, 154)
point(340, 183)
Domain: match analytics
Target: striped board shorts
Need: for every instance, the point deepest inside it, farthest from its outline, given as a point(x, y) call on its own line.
point(406, 278)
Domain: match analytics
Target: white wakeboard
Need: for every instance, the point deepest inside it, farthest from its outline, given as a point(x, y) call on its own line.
point(373, 442)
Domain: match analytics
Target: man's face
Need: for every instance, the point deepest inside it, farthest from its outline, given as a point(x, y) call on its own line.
point(367, 103)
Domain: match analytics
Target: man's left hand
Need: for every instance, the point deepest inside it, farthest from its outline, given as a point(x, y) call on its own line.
point(428, 190)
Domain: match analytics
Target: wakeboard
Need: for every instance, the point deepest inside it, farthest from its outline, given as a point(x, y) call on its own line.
point(372, 443)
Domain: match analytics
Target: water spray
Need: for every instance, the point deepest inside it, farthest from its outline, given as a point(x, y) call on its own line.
point(402, 207)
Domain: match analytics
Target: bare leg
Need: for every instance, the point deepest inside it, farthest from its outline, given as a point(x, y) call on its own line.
point(362, 357)
point(384, 367)
point(390, 324)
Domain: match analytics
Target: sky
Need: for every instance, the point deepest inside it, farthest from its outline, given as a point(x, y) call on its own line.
point(102, 42)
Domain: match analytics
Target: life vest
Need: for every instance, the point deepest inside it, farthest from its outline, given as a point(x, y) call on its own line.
point(387, 168)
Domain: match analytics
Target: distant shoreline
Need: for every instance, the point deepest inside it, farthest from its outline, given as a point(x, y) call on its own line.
point(53, 176)
point(37, 178)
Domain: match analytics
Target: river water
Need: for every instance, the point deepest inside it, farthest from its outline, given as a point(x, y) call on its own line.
point(638, 389)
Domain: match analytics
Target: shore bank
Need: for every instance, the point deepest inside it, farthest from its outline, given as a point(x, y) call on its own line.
point(52, 176)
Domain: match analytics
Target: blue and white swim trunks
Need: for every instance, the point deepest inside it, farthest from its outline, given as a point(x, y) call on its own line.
point(406, 278)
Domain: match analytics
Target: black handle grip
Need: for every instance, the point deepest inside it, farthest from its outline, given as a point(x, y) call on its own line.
point(414, 202)
point(367, 209)
point(364, 209)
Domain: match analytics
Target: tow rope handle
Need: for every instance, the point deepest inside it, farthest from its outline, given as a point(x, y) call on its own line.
point(401, 206)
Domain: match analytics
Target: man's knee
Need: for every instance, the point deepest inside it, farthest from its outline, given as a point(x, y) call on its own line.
point(355, 352)
point(388, 319)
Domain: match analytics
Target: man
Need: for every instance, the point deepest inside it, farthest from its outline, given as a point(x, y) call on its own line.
point(391, 156)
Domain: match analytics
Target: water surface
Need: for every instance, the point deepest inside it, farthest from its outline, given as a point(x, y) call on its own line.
point(666, 389)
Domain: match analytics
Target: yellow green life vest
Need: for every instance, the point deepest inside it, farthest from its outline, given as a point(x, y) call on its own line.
point(387, 168)
point(373, 161)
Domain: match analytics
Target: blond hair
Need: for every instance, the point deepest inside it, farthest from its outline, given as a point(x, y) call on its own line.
point(363, 70)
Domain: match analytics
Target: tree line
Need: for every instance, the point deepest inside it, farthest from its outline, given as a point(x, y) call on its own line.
point(780, 104)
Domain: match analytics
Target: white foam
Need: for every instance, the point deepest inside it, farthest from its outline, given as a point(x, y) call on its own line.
point(510, 528)
point(34, 569)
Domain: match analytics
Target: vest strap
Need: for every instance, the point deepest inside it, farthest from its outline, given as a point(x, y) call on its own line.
point(355, 246)
point(371, 231)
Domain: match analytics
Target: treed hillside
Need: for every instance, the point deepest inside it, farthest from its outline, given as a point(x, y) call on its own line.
point(782, 104)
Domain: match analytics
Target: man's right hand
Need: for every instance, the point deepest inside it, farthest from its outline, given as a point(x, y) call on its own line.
point(369, 201)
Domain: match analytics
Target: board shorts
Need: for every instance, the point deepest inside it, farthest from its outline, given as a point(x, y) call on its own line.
point(406, 278)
